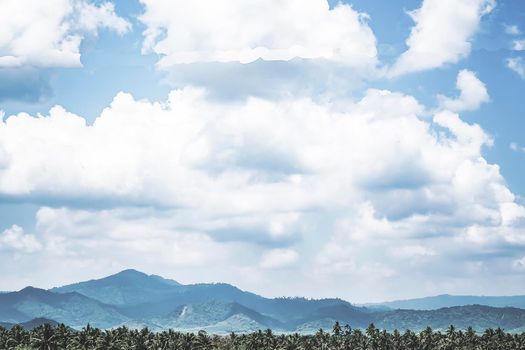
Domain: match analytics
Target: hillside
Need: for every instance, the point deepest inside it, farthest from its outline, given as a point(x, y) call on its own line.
point(124, 288)
point(479, 317)
point(151, 300)
point(31, 324)
point(73, 309)
point(138, 300)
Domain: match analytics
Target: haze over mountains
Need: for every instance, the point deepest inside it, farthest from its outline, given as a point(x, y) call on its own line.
point(135, 299)
point(446, 300)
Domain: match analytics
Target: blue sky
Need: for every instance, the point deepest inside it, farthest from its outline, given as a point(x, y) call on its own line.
point(370, 150)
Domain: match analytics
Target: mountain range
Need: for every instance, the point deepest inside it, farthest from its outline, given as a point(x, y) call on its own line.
point(137, 300)
point(446, 300)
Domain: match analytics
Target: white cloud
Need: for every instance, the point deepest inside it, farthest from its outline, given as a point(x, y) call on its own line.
point(217, 186)
point(244, 31)
point(515, 147)
point(278, 258)
point(442, 33)
point(83, 243)
point(516, 64)
point(194, 153)
point(519, 264)
point(512, 30)
point(473, 93)
point(91, 18)
point(412, 251)
point(15, 239)
point(88, 234)
point(49, 33)
point(518, 45)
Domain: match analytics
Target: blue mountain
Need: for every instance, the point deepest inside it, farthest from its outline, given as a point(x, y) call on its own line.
point(446, 300)
point(135, 299)
point(73, 309)
point(124, 288)
point(29, 325)
point(146, 298)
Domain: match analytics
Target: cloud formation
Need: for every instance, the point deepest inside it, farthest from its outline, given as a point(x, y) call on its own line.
point(49, 33)
point(512, 29)
point(516, 64)
point(208, 31)
point(473, 93)
point(441, 35)
point(277, 258)
point(14, 238)
point(518, 45)
point(369, 189)
point(515, 147)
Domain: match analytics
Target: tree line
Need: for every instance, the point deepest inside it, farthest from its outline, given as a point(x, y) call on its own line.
point(47, 337)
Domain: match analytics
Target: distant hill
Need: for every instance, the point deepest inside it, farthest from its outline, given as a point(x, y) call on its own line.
point(72, 309)
point(479, 317)
point(211, 313)
point(153, 301)
point(446, 300)
point(29, 325)
point(124, 288)
point(137, 300)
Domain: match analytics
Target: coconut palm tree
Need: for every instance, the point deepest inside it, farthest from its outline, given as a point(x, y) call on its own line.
point(44, 338)
point(61, 337)
point(17, 336)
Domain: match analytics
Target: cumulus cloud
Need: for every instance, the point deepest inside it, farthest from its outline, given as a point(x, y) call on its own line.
point(14, 238)
point(208, 31)
point(518, 45)
point(49, 33)
point(519, 264)
point(412, 251)
point(442, 34)
point(352, 187)
point(89, 243)
point(129, 231)
point(516, 148)
point(512, 29)
point(516, 64)
point(473, 93)
point(277, 258)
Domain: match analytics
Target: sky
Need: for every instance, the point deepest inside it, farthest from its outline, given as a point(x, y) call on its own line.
point(367, 150)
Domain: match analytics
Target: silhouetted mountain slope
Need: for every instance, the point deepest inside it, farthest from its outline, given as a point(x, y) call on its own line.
point(73, 309)
point(446, 300)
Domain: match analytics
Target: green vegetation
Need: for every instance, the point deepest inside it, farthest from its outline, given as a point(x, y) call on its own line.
point(47, 337)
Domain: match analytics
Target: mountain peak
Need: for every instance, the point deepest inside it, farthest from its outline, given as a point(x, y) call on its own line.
point(130, 272)
point(28, 289)
point(32, 290)
point(132, 275)
point(125, 287)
